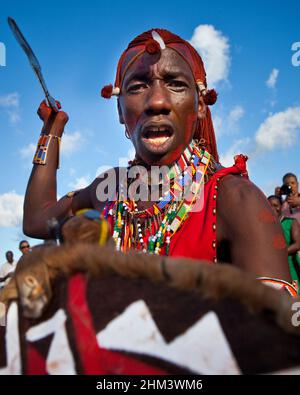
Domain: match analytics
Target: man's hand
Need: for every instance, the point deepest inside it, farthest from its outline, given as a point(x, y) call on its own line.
point(293, 201)
point(277, 191)
point(54, 122)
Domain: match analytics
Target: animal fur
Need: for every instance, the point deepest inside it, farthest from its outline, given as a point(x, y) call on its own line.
point(37, 271)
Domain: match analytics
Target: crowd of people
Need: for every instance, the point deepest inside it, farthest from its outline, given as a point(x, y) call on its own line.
point(286, 205)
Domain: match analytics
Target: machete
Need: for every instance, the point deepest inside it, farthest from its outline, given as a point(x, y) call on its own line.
point(32, 60)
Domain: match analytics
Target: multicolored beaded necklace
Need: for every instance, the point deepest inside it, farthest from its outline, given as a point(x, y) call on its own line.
point(162, 220)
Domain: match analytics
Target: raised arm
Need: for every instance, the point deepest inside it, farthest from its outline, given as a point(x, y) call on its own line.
point(41, 202)
point(248, 226)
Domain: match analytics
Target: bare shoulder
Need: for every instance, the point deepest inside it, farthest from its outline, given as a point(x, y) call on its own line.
point(236, 190)
point(239, 200)
point(246, 223)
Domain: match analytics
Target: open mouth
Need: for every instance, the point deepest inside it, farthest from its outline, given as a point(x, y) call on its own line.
point(157, 135)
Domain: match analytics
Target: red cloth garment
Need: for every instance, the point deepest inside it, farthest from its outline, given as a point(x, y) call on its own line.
point(197, 237)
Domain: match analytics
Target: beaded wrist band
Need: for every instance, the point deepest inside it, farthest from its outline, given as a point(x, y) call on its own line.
point(280, 285)
point(40, 156)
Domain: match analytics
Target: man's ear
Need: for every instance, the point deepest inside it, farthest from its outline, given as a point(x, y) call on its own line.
point(121, 119)
point(202, 108)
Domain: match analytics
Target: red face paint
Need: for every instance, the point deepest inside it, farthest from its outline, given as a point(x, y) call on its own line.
point(159, 105)
point(266, 216)
point(279, 242)
point(136, 51)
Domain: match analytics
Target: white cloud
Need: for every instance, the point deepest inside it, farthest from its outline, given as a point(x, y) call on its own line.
point(71, 142)
point(28, 151)
point(214, 49)
point(278, 129)
point(10, 100)
point(80, 182)
point(238, 147)
point(14, 116)
point(228, 125)
point(10, 104)
point(218, 125)
point(271, 81)
point(11, 209)
point(235, 115)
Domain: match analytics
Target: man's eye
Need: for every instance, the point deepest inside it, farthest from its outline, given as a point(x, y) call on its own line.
point(136, 87)
point(177, 85)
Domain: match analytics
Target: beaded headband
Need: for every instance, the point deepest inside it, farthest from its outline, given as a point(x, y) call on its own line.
point(153, 42)
point(155, 45)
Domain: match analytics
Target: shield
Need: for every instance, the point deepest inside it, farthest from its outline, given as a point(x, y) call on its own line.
point(85, 309)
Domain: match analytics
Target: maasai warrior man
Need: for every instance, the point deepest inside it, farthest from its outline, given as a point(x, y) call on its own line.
point(163, 103)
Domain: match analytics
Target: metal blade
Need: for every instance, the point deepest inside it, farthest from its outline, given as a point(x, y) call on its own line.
point(32, 60)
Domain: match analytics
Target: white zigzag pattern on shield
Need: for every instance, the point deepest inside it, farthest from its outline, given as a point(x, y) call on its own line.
point(202, 348)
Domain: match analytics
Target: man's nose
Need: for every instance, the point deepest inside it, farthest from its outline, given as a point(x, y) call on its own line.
point(158, 100)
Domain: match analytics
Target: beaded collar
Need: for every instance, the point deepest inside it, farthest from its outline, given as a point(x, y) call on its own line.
point(151, 230)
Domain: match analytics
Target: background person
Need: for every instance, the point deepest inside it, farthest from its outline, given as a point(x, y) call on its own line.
point(7, 269)
point(291, 205)
point(291, 231)
point(24, 247)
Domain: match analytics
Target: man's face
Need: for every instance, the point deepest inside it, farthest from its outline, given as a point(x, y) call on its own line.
point(159, 105)
point(9, 257)
point(293, 183)
point(276, 206)
point(24, 247)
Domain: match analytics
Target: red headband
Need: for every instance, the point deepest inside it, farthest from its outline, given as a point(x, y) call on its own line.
point(146, 42)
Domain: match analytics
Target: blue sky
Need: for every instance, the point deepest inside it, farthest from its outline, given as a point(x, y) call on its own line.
point(247, 49)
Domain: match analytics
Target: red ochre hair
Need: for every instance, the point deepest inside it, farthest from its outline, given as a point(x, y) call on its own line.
point(145, 42)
